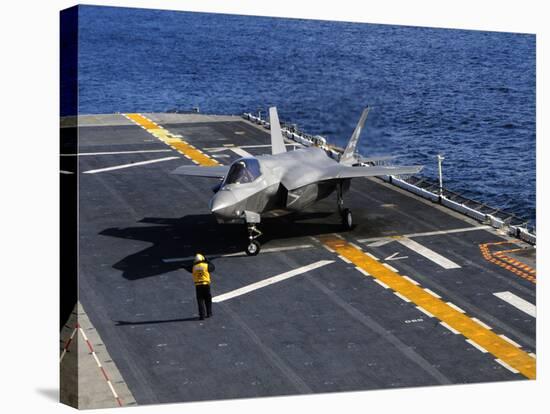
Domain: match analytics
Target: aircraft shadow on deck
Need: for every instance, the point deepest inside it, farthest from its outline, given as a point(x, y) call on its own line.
point(185, 236)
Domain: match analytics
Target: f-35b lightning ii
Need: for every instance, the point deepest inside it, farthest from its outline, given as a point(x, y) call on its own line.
point(289, 181)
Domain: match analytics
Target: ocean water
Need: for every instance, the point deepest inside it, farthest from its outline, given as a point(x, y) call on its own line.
point(468, 95)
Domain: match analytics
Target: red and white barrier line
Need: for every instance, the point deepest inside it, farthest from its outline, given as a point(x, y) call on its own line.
point(66, 347)
point(109, 383)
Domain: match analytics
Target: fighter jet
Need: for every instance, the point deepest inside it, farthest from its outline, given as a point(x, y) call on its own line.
point(290, 181)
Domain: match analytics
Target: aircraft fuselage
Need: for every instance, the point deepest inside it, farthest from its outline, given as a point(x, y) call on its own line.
point(266, 192)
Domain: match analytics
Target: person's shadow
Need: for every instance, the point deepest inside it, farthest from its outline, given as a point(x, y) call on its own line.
point(155, 322)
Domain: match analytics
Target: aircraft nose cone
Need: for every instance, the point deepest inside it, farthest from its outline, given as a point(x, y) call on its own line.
point(223, 203)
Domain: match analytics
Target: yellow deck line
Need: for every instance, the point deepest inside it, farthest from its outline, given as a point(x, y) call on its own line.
point(168, 138)
point(462, 323)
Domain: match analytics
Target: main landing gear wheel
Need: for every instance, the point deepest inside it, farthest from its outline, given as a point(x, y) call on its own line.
point(253, 248)
point(345, 213)
point(347, 219)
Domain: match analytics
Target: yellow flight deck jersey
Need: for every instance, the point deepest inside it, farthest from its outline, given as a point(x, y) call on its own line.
point(201, 276)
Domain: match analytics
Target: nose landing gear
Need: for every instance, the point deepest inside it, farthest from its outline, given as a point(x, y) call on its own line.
point(254, 246)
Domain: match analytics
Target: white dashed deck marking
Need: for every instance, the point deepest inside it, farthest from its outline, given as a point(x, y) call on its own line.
point(518, 303)
point(427, 233)
point(133, 164)
point(479, 347)
point(508, 367)
point(270, 281)
point(510, 340)
point(481, 323)
point(80, 154)
point(450, 328)
point(240, 152)
point(452, 305)
point(428, 253)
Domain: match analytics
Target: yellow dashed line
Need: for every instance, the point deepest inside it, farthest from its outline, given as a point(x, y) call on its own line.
point(168, 138)
point(460, 322)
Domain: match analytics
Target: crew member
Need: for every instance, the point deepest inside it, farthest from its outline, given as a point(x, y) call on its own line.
point(201, 276)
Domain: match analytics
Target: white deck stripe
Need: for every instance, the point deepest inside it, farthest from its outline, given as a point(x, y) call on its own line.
point(114, 153)
point(518, 303)
point(344, 259)
point(451, 231)
point(400, 296)
point(381, 283)
point(355, 245)
point(428, 253)
point(450, 328)
point(482, 324)
point(508, 367)
point(362, 271)
point(421, 309)
point(414, 282)
point(431, 292)
point(66, 172)
point(133, 164)
point(270, 250)
point(240, 152)
point(273, 249)
point(328, 248)
point(371, 256)
point(479, 347)
point(228, 146)
point(452, 305)
point(270, 281)
point(393, 269)
point(427, 233)
point(510, 340)
point(379, 243)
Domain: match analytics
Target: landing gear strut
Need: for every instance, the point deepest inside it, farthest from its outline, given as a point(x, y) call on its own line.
point(253, 247)
point(345, 213)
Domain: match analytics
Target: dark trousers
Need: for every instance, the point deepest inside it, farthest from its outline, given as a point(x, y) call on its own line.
point(204, 299)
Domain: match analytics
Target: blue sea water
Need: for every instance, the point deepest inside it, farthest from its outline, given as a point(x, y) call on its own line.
point(468, 95)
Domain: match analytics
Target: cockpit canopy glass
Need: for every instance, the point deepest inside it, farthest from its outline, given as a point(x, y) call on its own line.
point(242, 171)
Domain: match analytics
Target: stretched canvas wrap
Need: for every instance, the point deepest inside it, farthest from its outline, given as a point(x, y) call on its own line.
point(256, 206)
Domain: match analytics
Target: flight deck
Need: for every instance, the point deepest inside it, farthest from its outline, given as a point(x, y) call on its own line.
point(414, 295)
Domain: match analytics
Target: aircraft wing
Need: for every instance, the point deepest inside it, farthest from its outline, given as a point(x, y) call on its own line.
point(341, 171)
point(376, 159)
point(197, 171)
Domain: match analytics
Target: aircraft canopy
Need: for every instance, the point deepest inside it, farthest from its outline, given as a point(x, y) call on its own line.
point(242, 171)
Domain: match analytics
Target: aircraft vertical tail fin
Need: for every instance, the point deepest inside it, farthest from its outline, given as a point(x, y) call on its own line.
point(348, 155)
point(277, 141)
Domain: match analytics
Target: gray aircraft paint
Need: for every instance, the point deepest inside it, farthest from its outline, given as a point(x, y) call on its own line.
point(289, 181)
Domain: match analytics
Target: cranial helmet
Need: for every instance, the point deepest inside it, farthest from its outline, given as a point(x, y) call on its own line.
point(199, 258)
